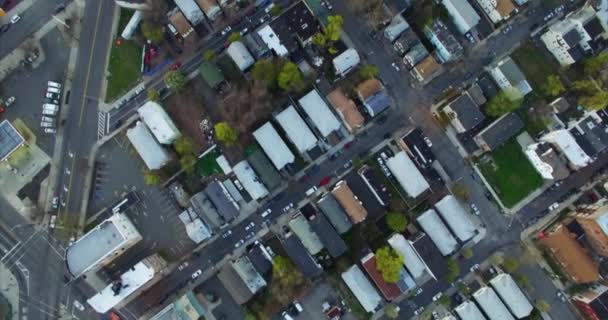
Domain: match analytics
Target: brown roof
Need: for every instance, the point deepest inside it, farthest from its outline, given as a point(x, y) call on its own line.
point(505, 7)
point(179, 21)
point(206, 5)
point(390, 291)
point(368, 87)
point(426, 67)
point(349, 202)
point(573, 259)
point(346, 108)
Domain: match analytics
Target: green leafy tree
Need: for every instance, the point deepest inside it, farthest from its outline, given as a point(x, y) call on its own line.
point(334, 27)
point(396, 221)
point(510, 264)
point(502, 103)
point(389, 263)
point(391, 311)
point(319, 40)
point(225, 133)
point(209, 55)
point(184, 145)
point(453, 270)
point(265, 72)
point(235, 36)
point(543, 306)
point(153, 95)
point(276, 10)
point(460, 191)
point(290, 77)
point(522, 280)
point(467, 253)
point(152, 177)
point(592, 66)
point(584, 87)
point(596, 101)
point(250, 316)
point(368, 71)
point(152, 32)
point(175, 80)
point(553, 86)
point(445, 301)
point(187, 162)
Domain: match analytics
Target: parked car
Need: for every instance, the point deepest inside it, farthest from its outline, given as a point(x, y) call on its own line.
point(196, 274)
point(239, 243)
point(311, 191)
point(4, 28)
point(226, 234)
point(52, 221)
point(182, 266)
point(266, 213)
point(437, 296)
point(419, 311)
point(78, 305)
point(475, 209)
point(249, 226)
point(553, 206)
point(475, 267)
point(16, 18)
point(288, 207)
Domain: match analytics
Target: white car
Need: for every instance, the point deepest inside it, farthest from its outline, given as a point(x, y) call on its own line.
point(553, 206)
point(54, 84)
point(437, 296)
point(475, 267)
point(266, 213)
point(311, 191)
point(395, 66)
point(475, 209)
point(226, 234)
point(428, 141)
point(78, 305)
point(50, 95)
point(9, 101)
point(55, 202)
point(52, 221)
point(288, 207)
point(16, 18)
point(419, 311)
point(182, 266)
point(239, 243)
point(419, 291)
point(196, 274)
point(249, 226)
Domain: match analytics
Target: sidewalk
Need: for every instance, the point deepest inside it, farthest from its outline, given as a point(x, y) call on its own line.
point(9, 289)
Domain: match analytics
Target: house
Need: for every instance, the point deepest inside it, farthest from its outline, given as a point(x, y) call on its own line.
point(499, 132)
point(457, 218)
point(415, 54)
point(159, 122)
point(196, 229)
point(270, 38)
point(150, 151)
point(407, 174)
point(256, 45)
point(361, 288)
point(546, 161)
point(464, 114)
point(405, 42)
point(468, 310)
point(509, 77)
point(374, 97)
point(274, 147)
point(593, 219)
point(375, 185)
point(327, 234)
point(211, 74)
point(346, 61)
point(411, 258)
point(250, 180)
point(334, 213)
point(497, 10)
point(476, 94)
point(247, 272)
point(462, 13)
point(300, 226)
point(223, 202)
point(202, 207)
point(512, 295)
point(346, 109)
point(448, 48)
point(296, 129)
point(260, 258)
point(426, 69)
point(234, 284)
point(491, 304)
point(240, 55)
point(487, 85)
point(191, 10)
point(181, 24)
point(593, 302)
point(296, 26)
point(186, 307)
point(351, 204)
point(211, 8)
point(591, 132)
point(438, 232)
point(319, 113)
point(10, 140)
point(300, 256)
point(397, 26)
point(269, 176)
point(570, 255)
point(389, 291)
point(565, 142)
point(570, 39)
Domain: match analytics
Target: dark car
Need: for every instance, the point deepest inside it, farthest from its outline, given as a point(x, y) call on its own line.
point(4, 28)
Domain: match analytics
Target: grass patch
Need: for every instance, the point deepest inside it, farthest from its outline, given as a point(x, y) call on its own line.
point(207, 166)
point(534, 64)
point(125, 62)
point(511, 175)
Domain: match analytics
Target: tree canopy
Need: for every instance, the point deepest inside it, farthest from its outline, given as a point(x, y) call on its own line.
point(265, 72)
point(225, 133)
point(596, 101)
point(396, 221)
point(152, 32)
point(152, 177)
point(453, 270)
point(368, 71)
point(209, 55)
point(235, 36)
point(276, 10)
point(290, 77)
point(184, 145)
point(510, 264)
point(389, 263)
point(153, 95)
point(391, 311)
point(175, 80)
point(330, 34)
point(502, 103)
point(592, 66)
point(553, 86)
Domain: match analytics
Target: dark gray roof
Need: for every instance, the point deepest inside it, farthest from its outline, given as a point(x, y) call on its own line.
point(259, 260)
point(467, 112)
point(295, 23)
point(572, 38)
point(477, 94)
point(221, 200)
point(577, 53)
point(512, 71)
point(501, 130)
point(9, 139)
point(300, 256)
point(378, 102)
point(594, 27)
point(591, 135)
point(256, 45)
point(487, 85)
point(328, 235)
point(430, 255)
point(234, 284)
point(205, 210)
point(334, 212)
point(264, 168)
point(447, 39)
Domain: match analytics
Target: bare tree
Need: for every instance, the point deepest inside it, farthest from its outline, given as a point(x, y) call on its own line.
point(156, 12)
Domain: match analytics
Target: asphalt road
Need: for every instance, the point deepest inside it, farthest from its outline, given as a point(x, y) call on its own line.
point(31, 20)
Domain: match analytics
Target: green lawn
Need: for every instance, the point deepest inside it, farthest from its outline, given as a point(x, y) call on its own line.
point(207, 165)
point(534, 64)
point(125, 63)
point(514, 177)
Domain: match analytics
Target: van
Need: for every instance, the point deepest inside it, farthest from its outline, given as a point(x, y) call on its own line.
point(48, 106)
point(53, 90)
point(53, 84)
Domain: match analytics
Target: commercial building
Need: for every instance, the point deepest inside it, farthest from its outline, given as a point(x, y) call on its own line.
point(318, 111)
point(159, 122)
point(469, 311)
point(273, 42)
point(491, 305)
point(152, 153)
point(10, 139)
point(407, 174)
point(565, 142)
point(389, 291)
point(250, 181)
point(374, 97)
point(101, 245)
point(299, 225)
point(511, 295)
point(448, 48)
point(464, 114)
point(204, 208)
point(346, 61)
point(196, 229)
point(457, 218)
point(346, 108)
point(594, 221)
point(296, 26)
point(351, 204)
point(497, 10)
point(139, 277)
point(411, 258)
point(223, 202)
point(462, 13)
point(186, 307)
point(240, 55)
point(334, 213)
point(510, 78)
point(438, 232)
point(300, 256)
point(191, 10)
point(361, 288)
point(296, 129)
point(274, 147)
point(327, 234)
point(593, 302)
point(267, 173)
point(499, 132)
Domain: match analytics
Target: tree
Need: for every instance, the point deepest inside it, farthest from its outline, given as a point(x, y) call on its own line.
point(276, 10)
point(225, 133)
point(553, 86)
point(522, 280)
point(152, 177)
point(453, 270)
point(460, 191)
point(319, 40)
point(250, 316)
point(286, 279)
point(502, 103)
point(153, 95)
point(396, 221)
point(265, 72)
point(584, 87)
point(368, 71)
point(175, 80)
point(389, 263)
point(290, 78)
point(445, 301)
point(209, 55)
point(391, 311)
point(510, 264)
point(152, 32)
point(187, 161)
point(235, 36)
point(596, 101)
point(184, 145)
point(592, 66)
point(543, 306)
point(467, 253)
point(333, 27)
point(497, 259)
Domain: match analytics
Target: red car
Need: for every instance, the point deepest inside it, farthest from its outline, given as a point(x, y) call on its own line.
point(324, 181)
point(176, 66)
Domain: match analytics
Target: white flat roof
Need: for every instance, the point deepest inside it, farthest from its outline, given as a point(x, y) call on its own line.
point(412, 260)
point(512, 295)
point(363, 290)
point(300, 226)
point(407, 174)
point(272, 41)
point(456, 217)
point(274, 147)
point(159, 122)
point(150, 151)
point(438, 232)
point(346, 61)
point(197, 231)
point(564, 140)
point(318, 111)
point(469, 311)
point(240, 55)
point(250, 180)
point(491, 304)
point(462, 13)
point(132, 280)
point(191, 10)
point(296, 129)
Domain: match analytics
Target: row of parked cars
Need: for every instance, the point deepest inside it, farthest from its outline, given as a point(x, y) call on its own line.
point(50, 107)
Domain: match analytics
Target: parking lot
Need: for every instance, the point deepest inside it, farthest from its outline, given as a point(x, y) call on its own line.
point(312, 303)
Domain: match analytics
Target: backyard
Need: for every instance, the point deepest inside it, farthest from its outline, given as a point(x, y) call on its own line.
point(510, 173)
point(536, 66)
point(125, 62)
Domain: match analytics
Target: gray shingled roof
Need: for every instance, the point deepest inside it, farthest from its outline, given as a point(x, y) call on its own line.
point(265, 170)
point(467, 111)
point(512, 71)
point(220, 200)
point(501, 130)
point(334, 213)
point(300, 256)
point(328, 235)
